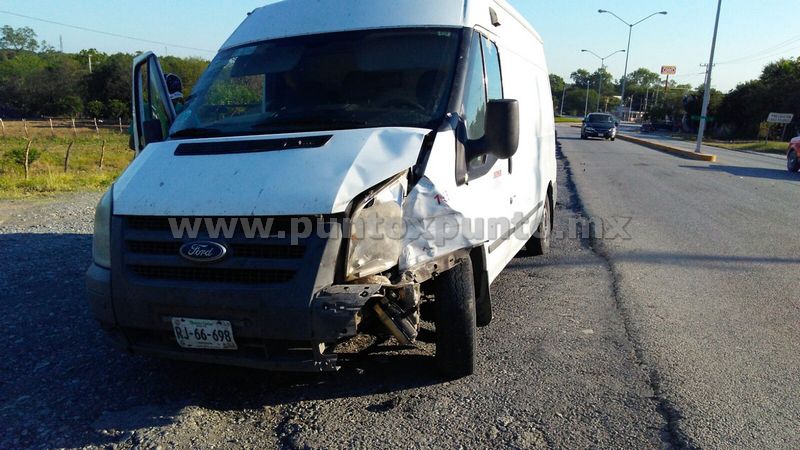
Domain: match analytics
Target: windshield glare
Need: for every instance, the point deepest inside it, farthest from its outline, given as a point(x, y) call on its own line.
point(600, 118)
point(325, 82)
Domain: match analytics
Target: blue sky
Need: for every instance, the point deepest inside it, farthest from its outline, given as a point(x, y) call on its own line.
point(751, 33)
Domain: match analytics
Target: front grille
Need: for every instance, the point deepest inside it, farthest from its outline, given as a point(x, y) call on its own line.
point(236, 250)
point(213, 275)
point(151, 252)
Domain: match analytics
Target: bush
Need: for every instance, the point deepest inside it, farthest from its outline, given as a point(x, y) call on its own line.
point(70, 105)
point(116, 109)
point(95, 108)
point(17, 156)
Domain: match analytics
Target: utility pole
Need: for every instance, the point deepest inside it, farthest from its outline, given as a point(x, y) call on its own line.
point(61, 43)
point(563, 96)
point(90, 63)
point(646, 98)
point(707, 93)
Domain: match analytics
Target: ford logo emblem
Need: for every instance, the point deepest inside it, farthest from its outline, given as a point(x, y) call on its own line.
point(203, 252)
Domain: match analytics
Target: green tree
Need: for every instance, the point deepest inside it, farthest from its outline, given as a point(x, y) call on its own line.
point(20, 39)
point(95, 109)
point(118, 109)
point(581, 78)
point(557, 85)
point(188, 69)
point(776, 90)
point(70, 105)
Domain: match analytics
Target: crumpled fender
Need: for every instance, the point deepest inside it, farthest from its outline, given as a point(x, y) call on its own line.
point(433, 228)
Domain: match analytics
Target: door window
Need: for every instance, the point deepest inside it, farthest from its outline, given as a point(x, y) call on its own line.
point(154, 110)
point(483, 83)
point(494, 74)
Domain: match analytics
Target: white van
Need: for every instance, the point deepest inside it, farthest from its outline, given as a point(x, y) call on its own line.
point(343, 167)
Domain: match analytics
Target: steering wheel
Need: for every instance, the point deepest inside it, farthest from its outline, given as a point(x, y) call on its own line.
point(404, 102)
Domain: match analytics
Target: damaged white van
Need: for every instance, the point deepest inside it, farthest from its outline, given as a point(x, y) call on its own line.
point(343, 167)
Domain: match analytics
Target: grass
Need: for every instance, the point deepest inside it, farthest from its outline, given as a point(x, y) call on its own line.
point(568, 120)
point(46, 175)
point(775, 147)
point(757, 146)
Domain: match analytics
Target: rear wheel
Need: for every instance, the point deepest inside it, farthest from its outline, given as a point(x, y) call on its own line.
point(539, 244)
point(455, 321)
point(793, 164)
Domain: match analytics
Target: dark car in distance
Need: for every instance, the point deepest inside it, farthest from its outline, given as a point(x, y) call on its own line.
point(599, 125)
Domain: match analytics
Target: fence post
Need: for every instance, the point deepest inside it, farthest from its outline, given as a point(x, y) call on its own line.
point(52, 131)
point(27, 159)
point(96, 128)
point(66, 158)
point(102, 154)
point(74, 130)
point(4, 127)
point(120, 125)
point(25, 125)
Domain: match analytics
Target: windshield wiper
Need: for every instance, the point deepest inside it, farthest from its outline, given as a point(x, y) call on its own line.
point(197, 133)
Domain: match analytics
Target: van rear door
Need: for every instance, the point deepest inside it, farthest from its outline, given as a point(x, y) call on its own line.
point(153, 112)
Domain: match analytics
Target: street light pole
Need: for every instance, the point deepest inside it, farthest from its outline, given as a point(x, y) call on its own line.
point(628, 51)
point(586, 108)
point(707, 93)
point(602, 69)
point(563, 96)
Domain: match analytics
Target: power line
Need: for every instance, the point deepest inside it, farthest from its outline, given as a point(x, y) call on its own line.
point(106, 33)
point(761, 54)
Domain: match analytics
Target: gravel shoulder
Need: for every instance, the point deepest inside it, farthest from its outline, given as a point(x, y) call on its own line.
point(556, 368)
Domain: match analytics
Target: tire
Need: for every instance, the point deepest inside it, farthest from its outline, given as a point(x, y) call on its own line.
point(455, 321)
point(539, 244)
point(792, 163)
point(584, 137)
point(613, 139)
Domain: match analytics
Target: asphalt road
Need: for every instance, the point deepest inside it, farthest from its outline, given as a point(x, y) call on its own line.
point(681, 336)
point(707, 284)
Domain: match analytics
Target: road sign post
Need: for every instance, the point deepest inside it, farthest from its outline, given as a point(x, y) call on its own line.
point(668, 70)
point(783, 119)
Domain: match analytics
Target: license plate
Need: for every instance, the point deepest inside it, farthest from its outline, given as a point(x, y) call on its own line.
point(204, 334)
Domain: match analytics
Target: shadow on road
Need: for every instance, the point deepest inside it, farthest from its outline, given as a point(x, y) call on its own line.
point(62, 382)
point(749, 172)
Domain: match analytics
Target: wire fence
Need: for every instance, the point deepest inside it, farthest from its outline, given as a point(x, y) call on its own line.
point(61, 127)
point(56, 144)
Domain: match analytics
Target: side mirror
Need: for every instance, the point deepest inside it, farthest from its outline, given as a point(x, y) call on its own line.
point(502, 129)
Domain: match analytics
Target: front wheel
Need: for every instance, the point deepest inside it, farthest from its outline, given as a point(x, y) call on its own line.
point(454, 304)
point(793, 164)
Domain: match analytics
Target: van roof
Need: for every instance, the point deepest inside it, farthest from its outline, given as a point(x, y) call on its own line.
point(303, 17)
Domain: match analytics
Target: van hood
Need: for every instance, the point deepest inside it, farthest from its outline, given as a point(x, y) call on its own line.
point(306, 181)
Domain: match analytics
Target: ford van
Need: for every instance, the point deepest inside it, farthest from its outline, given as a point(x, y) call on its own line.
point(342, 168)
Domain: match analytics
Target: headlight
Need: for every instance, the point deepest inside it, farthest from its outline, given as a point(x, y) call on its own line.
point(590, 129)
point(377, 231)
point(101, 243)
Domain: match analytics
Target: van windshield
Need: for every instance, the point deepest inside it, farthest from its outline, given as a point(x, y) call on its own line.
point(361, 79)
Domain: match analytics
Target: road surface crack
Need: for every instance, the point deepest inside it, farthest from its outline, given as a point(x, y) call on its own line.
point(671, 433)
